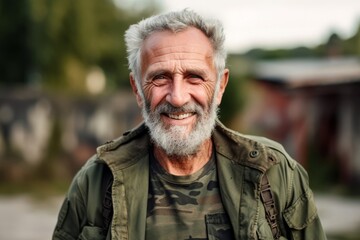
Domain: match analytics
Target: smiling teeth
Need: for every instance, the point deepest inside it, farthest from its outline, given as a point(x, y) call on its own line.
point(181, 116)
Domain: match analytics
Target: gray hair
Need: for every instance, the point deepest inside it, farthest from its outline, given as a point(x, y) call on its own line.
point(175, 22)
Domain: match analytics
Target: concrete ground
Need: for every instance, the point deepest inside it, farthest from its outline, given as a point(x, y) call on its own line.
point(339, 216)
point(23, 218)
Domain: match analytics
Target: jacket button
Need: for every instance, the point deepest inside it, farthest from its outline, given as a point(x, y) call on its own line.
point(254, 153)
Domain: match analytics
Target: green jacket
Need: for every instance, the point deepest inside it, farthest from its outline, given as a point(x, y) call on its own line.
point(241, 163)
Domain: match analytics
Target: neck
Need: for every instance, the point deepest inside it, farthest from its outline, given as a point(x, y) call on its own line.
point(184, 165)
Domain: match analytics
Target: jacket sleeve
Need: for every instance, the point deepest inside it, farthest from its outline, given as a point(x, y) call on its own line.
point(301, 217)
point(71, 215)
point(298, 213)
point(80, 216)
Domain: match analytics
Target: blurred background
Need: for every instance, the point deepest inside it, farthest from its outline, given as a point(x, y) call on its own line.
point(295, 78)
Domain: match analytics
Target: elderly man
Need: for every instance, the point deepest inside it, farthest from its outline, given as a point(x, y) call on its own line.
point(182, 174)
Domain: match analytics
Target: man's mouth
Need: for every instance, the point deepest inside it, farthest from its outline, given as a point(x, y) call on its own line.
point(179, 116)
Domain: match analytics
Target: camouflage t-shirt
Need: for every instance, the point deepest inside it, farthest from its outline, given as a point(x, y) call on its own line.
point(186, 207)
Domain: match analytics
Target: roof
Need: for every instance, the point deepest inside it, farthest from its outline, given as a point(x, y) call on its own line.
point(309, 72)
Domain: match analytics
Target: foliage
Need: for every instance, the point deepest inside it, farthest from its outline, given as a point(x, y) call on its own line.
point(264, 54)
point(235, 95)
point(334, 46)
point(14, 48)
point(55, 43)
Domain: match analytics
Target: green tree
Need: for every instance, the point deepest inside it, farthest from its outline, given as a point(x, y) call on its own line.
point(55, 43)
point(14, 48)
point(352, 44)
point(235, 93)
point(69, 37)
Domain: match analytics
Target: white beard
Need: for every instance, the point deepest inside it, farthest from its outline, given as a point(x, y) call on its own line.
point(175, 140)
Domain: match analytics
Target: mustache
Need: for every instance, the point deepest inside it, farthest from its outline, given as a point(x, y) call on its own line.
point(167, 108)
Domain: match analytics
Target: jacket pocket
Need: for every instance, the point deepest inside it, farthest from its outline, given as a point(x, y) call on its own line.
point(301, 214)
point(91, 233)
point(218, 226)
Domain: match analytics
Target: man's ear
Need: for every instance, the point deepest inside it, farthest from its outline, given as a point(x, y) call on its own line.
point(135, 89)
point(223, 82)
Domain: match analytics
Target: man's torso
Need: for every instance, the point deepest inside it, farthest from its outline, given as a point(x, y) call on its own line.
point(186, 207)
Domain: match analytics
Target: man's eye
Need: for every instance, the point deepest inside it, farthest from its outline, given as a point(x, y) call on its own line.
point(159, 79)
point(195, 78)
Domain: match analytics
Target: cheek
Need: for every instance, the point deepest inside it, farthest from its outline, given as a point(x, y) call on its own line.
point(147, 91)
point(205, 94)
point(154, 96)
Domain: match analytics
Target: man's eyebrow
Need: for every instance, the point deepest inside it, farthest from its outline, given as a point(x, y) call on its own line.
point(197, 71)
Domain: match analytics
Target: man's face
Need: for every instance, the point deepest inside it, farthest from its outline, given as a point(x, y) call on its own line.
point(178, 83)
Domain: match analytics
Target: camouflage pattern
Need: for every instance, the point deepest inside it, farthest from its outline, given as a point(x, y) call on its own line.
point(186, 207)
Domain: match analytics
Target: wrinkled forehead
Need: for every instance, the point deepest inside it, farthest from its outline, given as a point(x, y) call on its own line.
point(190, 40)
point(189, 43)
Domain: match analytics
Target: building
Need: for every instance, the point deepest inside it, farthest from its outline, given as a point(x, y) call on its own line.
point(312, 106)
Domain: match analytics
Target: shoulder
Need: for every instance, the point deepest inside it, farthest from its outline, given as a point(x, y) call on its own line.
point(88, 177)
point(127, 149)
point(256, 151)
point(120, 152)
point(276, 148)
point(123, 140)
point(110, 157)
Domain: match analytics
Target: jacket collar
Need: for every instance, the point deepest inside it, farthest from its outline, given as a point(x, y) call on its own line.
point(238, 148)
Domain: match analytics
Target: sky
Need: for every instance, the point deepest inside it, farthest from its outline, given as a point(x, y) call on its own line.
point(276, 23)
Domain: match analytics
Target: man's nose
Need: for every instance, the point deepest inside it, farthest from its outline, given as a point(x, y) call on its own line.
point(178, 94)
